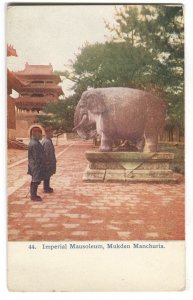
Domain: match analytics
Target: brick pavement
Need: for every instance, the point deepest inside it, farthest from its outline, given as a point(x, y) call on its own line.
point(95, 211)
point(15, 154)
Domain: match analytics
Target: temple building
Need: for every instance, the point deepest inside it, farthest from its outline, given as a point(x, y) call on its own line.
point(41, 87)
point(13, 83)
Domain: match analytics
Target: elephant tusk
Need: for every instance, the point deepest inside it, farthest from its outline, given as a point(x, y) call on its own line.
point(84, 118)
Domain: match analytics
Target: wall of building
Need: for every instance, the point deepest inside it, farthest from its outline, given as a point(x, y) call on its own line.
point(11, 134)
point(11, 118)
point(23, 122)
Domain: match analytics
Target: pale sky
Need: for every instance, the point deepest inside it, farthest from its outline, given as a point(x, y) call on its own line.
point(53, 34)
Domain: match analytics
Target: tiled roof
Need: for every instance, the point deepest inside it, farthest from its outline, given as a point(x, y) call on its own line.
point(36, 69)
point(14, 82)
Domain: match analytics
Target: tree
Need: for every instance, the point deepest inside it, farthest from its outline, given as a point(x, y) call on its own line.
point(59, 116)
point(145, 51)
point(158, 29)
point(111, 64)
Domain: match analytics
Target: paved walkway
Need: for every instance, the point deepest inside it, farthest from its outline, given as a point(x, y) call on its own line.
point(93, 211)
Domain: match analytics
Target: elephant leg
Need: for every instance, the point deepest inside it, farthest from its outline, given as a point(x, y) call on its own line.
point(152, 143)
point(106, 144)
point(140, 144)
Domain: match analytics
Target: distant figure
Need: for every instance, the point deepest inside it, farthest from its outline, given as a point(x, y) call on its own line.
point(36, 164)
point(50, 159)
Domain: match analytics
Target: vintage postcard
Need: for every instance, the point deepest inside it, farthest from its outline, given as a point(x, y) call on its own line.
point(95, 136)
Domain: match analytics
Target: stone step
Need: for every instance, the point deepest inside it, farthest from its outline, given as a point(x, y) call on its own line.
point(125, 175)
point(93, 156)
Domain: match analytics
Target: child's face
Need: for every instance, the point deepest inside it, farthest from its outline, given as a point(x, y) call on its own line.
point(49, 134)
point(38, 135)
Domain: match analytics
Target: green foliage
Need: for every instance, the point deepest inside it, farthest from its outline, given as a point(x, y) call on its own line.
point(145, 51)
point(59, 115)
point(159, 30)
point(111, 64)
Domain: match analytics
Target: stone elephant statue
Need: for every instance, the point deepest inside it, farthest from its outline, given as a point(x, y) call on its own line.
point(120, 113)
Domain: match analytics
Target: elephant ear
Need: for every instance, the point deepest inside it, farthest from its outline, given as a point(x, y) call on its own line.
point(95, 102)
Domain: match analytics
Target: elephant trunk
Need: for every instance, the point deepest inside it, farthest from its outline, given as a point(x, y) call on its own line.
point(83, 126)
point(80, 122)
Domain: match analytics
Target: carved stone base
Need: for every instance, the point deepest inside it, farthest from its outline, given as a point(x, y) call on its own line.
point(128, 167)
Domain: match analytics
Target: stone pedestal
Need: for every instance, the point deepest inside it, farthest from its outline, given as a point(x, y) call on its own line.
point(128, 167)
